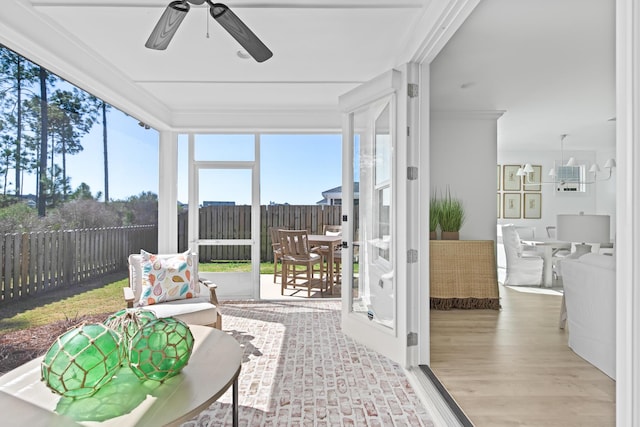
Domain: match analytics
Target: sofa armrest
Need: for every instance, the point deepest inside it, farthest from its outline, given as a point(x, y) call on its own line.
point(213, 298)
point(129, 297)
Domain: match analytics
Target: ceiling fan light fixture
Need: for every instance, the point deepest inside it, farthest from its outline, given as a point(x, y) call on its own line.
point(243, 54)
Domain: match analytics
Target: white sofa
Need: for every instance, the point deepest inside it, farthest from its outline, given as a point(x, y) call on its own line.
point(590, 298)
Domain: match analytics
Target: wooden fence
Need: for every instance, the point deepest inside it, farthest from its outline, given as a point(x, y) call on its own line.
point(32, 263)
point(225, 222)
point(41, 261)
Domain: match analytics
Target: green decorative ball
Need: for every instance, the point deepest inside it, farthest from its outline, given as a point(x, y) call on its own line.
point(127, 322)
point(82, 360)
point(160, 349)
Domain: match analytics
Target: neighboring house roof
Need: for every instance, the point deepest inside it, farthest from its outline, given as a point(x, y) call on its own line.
point(338, 191)
point(336, 194)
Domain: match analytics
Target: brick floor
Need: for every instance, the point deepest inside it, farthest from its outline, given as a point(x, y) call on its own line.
point(299, 369)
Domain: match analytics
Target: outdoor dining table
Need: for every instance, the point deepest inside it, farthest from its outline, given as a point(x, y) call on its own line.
point(332, 243)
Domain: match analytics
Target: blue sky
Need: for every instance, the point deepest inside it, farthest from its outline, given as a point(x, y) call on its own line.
point(295, 169)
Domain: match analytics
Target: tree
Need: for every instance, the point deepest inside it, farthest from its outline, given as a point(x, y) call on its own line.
point(83, 192)
point(105, 108)
point(44, 124)
point(142, 209)
point(71, 117)
point(16, 75)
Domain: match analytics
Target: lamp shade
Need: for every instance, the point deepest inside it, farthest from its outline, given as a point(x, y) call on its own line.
point(583, 228)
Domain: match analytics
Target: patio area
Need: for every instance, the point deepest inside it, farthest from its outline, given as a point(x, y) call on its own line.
point(300, 369)
point(270, 290)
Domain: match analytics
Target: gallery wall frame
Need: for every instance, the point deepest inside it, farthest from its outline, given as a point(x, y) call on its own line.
point(532, 206)
point(511, 181)
point(511, 206)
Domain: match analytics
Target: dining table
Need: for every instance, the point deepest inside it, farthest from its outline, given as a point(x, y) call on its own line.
point(332, 243)
point(548, 248)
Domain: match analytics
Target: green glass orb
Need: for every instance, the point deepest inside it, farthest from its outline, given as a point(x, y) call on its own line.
point(160, 349)
point(127, 322)
point(82, 360)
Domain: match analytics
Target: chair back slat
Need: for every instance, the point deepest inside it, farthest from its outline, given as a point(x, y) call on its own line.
point(294, 243)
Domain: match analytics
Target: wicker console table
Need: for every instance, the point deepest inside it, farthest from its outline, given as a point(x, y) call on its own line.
point(463, 274)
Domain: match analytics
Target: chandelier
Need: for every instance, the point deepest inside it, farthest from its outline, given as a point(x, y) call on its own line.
point(568, 176)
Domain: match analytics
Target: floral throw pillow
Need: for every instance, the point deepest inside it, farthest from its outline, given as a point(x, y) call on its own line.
point(166, 278)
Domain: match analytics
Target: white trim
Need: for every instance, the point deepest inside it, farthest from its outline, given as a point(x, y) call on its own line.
point(440, 21)
point(383, 85)
point(168, 197)
point(255, 219)
point(628, 213)
point(424, 183)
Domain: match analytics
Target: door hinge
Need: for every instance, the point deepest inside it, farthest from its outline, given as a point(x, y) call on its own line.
point(412, 173)
point(412, 339)
point(412, 90)
point(345, 245)
point(408, 131)
point(344, 218)
point(412, 256)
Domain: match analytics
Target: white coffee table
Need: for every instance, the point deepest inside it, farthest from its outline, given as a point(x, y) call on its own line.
point(214, 366)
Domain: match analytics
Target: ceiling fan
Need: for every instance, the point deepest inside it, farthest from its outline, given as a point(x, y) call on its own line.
point(176, 11)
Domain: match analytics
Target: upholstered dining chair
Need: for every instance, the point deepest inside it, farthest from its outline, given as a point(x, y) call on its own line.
point(523, 267)
point(298, 261)
point(168, 285)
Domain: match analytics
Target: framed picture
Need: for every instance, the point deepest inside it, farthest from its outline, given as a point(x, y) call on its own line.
point(532, 182)
point(499, 200)
point(498, 175)
point(532, 205)
point(510, 181)
point(511, 205)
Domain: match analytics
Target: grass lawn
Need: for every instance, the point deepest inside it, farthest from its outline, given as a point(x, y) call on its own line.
point(98, 298)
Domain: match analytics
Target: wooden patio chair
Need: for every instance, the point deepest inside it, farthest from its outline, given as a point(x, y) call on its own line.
point(197, 306)
point(298, 261)
point(277, 252)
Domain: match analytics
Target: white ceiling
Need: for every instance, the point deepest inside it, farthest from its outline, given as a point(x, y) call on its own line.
point(548, 63)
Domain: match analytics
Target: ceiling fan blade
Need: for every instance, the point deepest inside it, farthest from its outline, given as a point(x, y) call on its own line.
point(167, 25)
point(239, 31)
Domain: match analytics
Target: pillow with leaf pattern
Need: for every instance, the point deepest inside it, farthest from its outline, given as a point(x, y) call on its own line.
point(166, 278)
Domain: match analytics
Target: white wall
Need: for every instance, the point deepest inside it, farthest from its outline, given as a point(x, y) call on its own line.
point(598, 199)
point(463, 157)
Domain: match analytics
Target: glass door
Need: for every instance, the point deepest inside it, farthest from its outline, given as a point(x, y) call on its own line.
point(224, 213)
point(374, 295)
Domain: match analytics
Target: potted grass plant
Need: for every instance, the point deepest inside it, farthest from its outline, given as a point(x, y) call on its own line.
point(451, 217)
point(434, 217)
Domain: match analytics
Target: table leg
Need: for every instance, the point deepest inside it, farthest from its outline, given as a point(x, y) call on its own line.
point(235, 403)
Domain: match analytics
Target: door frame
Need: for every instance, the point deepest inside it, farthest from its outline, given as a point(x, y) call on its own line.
point(195, 166)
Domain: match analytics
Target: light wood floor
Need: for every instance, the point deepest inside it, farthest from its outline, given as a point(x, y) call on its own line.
point(513, 367)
